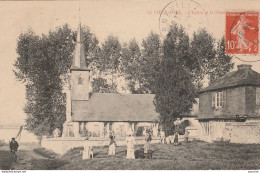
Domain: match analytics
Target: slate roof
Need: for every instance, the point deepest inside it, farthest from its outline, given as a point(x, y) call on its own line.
point(115, 107)
point(244, 76)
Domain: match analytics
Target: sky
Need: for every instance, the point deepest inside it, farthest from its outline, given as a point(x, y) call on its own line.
point(126, 19)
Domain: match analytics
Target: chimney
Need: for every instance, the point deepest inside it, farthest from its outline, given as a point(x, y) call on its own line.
point(244, 66)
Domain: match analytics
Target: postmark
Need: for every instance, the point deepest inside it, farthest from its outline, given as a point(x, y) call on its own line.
point(189, 14)
point(242, 33)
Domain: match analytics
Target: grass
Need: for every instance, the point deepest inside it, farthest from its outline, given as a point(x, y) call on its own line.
point(49, 161)
point(195, 155)
point(45, 153)
point(5, 160)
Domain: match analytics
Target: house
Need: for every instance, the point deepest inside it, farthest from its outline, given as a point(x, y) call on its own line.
point(99, 114)
point(237, 93)
point(225, 101)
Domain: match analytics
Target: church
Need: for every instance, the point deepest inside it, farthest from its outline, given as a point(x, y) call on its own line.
point(99, 114)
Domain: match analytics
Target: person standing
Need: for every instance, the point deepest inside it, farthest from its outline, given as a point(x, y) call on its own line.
point(148, 139)
point(13, 148)
point(176, 141)
point(112, 145)
point(130, 140)
point(162, 135)
point(186, 135)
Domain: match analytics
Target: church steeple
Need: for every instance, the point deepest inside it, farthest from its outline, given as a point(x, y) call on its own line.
point(79, 71)
point(79, 62)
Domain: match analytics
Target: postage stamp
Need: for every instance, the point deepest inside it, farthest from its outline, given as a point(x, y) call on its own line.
point(242, 33)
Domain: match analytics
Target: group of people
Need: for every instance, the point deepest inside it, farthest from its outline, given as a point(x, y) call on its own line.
point(130, 142)
point(174, 138)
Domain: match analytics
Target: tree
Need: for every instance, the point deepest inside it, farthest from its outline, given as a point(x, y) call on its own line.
point(174, 89)
point(100, 85)
point(151, 56)
point(109, 56)
point(222, 63)
point(140, 66)
point(202, 53)
point(207, 58)
point(184, 66)
point(131, 65)
point(41, 63)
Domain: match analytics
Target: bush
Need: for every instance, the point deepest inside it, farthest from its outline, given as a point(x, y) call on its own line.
point(2, 143)
point(182, 127)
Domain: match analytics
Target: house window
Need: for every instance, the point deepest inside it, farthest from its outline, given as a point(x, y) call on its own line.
point(257, 96)
point(80, 81)
point(218, 99)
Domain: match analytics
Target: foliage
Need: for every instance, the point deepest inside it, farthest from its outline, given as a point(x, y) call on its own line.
point(222, 63)
point(42, 62)
point(100, 85)
point(151, 56)
point(175, 91)
point(131, 65)
point(208, 58)
point(140, 65)
point(184, 66)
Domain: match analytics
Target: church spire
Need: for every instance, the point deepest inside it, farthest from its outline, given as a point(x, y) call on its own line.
point(79, 61)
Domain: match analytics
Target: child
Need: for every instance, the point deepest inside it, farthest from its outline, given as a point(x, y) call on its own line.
point(186, 135)
point(112, 145)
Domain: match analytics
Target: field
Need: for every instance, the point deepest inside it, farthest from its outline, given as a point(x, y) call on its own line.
point(192, 156)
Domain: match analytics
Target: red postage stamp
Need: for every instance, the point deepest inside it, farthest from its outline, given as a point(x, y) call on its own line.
point(242, 33)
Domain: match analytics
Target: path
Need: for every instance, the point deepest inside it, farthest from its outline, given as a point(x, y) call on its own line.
point(5, 160)
point(27, 158)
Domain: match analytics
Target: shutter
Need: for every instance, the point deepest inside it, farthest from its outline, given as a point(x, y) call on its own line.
point(224, 97)
point(213, 99)
point(257, 96)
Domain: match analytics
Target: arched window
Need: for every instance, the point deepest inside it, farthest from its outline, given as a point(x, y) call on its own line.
point(80, 80)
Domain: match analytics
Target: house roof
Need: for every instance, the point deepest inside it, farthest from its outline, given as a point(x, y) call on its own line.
point(244, 76)
point(115, 107)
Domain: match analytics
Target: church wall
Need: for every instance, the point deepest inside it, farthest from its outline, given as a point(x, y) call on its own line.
point(103, 129)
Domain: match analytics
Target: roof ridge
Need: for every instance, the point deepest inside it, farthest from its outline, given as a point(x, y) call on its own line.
point(240, 77)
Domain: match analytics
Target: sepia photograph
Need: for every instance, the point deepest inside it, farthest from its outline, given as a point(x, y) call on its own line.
point(129, 85)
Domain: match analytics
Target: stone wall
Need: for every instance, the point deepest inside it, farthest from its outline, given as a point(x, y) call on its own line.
point(243, 132)
point(62, 145)
point(235, 132)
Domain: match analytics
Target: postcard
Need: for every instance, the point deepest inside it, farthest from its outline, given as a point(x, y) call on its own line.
point(130, 85)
